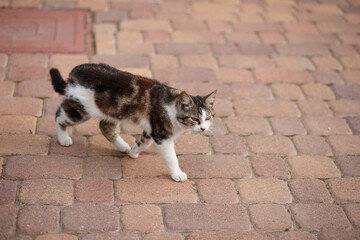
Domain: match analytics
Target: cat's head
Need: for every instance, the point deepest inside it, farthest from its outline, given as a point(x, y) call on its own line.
point(197, 112)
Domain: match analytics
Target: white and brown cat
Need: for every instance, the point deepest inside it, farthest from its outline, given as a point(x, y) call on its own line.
point(113, 96)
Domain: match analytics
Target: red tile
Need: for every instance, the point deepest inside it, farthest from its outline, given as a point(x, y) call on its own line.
point(33, 30)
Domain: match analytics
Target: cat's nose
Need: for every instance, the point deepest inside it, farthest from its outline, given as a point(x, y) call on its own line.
point(202, 129)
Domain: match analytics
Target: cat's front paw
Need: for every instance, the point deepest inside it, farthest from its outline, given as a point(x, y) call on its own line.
point(133, 153)
point(66, 142)
point(179, 177)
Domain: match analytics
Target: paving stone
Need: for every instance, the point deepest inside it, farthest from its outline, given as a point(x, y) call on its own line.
point(17, 124)
point(242, 37)
point(315, 108)
point(35, 88)
point(217, 191)
point(233, 75)
point(46, 192)
point(110, 16)
point(206, 217)
point(347, 108)
point(277, 145)
point(327, 126)
point(201, 88)
point(256, 48)
point(327, 77)
point(164, 61)
point(349, 165)
point(269, 190)
point(198, 61)
point(272, 38)
point(296, 236)
point(144, 166)
point(1, 164)
point(354, 123)
point(136, 48)
point(318, 91)
point(312, 145)
point(79, 147)
point(345, 145)
point(228, 144)
point(319, 216)
point(182, 48)
point(270, 217)
point(110, 236)
point(129, 36)
point(224, 108)
point(287, 91)
point(145, 24)
point(7, 192)
point(215, 166)
point(248, 125)
point(28, 59)
point(227, 48)
point(154, 191)
point(141, 218)
point(229, 235)
point(66, 62)
point(33, 167)
point(185, 143)
point(282, 76)
point(324, 62)
point(99, 146)
point(90, 127)
point(20, 106)
point(122, 61)
point(97, 191)
point(351, 76)
point(341, 50)
point(83, 218)
point(339, 235)
point(183, 74)
point(51, 105)
point(287, 126)
point(347, 91)
point(7, 218)
point(23, 144)
point(309, 191)
point(253, 62)
point(46, 125)
point(351, 61)
point(38, 219)
point(266, 108)
point(302, 49)
point(269, 166)
point(247, 90)
point(141, 14)
point(60, 236)
point(353, 213)
point(313, 167)
point(102, 167)
point(345, 189)
point(7, 89)
point(163, 236)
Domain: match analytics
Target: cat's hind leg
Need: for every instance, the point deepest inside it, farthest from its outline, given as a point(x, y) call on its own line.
point(143, 143)
point(108, 129)
point(70, 113)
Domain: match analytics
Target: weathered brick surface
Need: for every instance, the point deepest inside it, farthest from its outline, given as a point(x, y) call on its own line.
point(344, 145)
point(287, 91)
point(7, 89)
point(141, 218)
point(283, 76)
point(278, 145)
point(17, 124)
point(313, 167)
point(32, 167)
point(83, 218)
point(270, 217)
point(110, 236)
point(97, 191)
point(309, 190)
point(23, 144)
point(296, 236)
point(217, 191)
point(7, 218)
point(345, 189)
point(269, 166)
point(38, 219)
point(7, 191)
point(345, 107)
point(315, 108)
point(229, 144)
point(247, 90)
point(154, 191)
point(266, 108)
point(318, 217)
point(54, 236)
point(163, 236)
point(46, 192)
point(98, 167)
point(100, 146)
point(268, 190)
point(248, 125)
point(79, 147)
point(229, 235)
point(353, 213)
point(349, 165)
point(339, 235)
point(327, 126)
point(205, 217)
point(287, 126)
point(312, 145)
point(20, 106)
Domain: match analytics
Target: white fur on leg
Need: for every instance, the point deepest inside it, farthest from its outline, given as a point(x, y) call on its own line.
point(167, 152)
point(63, 136)
point(134, 153)
point(135, 149)
point(121, 145)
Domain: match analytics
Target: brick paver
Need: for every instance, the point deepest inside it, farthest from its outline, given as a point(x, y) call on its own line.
point(281, 160)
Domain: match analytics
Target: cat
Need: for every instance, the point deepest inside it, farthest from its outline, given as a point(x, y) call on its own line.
point(114, 96)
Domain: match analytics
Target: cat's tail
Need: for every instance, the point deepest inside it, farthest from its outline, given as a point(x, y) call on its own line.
point(57, 81)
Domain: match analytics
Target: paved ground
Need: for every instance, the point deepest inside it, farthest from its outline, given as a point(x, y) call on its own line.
point(282, 161)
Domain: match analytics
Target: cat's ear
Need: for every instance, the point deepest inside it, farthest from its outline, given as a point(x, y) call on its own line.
point(185, 99)
point(210, 99)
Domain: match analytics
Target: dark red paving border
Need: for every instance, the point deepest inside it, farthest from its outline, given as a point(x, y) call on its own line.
point(31, 30)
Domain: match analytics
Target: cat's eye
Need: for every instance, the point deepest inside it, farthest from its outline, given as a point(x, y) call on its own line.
point(208, 118)
point(195, 119)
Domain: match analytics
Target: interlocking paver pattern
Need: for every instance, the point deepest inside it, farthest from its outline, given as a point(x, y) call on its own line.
point(282, 159)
